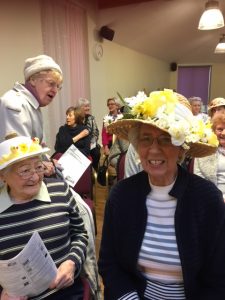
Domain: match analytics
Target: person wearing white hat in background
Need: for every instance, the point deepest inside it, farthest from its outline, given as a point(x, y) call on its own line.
point(163, 230)
point(20, 107)
point(30, 203)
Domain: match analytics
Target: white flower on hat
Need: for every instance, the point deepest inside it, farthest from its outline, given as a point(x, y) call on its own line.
point(163, 109)
point(131, 101)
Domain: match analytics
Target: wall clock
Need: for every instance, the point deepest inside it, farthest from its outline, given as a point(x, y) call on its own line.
point(98, 51)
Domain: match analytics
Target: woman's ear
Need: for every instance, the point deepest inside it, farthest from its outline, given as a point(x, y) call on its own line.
point(32, 82)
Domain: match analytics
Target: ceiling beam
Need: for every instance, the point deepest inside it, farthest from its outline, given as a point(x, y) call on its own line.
point(114, 3)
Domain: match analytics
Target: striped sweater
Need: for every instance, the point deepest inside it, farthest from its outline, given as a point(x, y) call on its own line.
point(199, 228)
point(57, 221)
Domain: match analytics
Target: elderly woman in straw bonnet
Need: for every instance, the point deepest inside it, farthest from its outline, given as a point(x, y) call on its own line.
point(212, 167)
point(216, 106)
point(164, 228)
point(28, 204)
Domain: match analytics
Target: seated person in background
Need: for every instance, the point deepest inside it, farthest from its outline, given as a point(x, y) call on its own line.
point(132, 162)
point(196, 106)
point(29, 203)
point(118, 147)
point(69, 133)
point(112, 116)
point(215, 106)
point(91, 124)
point(213, 167)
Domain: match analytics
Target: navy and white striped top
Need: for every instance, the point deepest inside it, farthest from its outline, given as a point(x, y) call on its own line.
point(159, 259)
point(56, 219)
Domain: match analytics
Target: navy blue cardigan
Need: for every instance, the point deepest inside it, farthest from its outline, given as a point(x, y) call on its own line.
point(200, 233)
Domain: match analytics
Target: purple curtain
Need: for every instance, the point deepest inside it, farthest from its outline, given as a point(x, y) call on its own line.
point(194, 81)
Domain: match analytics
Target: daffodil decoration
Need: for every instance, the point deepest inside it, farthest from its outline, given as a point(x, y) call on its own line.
point(165, 110)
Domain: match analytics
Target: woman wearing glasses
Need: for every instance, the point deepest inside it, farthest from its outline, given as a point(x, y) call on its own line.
point(164, 228)
point(29, 203)
point(21, 106)
point(213, 167)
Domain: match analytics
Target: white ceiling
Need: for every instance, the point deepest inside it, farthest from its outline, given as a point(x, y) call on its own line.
point(165, 29)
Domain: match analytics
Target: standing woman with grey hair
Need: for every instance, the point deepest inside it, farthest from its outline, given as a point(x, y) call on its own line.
point(164, 228)
point(20, 107)
point(91, 124)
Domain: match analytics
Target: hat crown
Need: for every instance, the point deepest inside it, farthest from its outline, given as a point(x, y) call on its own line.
point(39, 63)
point(19, 148)
point(170, 112)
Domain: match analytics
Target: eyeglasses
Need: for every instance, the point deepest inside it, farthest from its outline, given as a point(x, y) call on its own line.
point(148, 140)
point(27, 171)
point(53, 84)
point(219, 129)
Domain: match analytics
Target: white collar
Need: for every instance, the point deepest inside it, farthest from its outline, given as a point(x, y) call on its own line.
point(5, 200)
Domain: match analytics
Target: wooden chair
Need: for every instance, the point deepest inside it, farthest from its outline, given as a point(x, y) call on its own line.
point(120, 168)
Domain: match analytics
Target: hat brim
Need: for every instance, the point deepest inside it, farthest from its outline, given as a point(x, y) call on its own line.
point(214, 106)
point(25, 156)
point(122, 127)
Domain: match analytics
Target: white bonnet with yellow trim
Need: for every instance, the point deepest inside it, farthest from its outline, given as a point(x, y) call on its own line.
point(19, 148)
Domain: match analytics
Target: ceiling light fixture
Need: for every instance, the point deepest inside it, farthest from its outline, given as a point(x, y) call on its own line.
point(220, 48)
point(212, 17)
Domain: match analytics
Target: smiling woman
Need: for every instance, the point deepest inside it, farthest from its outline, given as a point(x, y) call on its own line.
point(159, 215)
point(29, 204)
point(213, 167)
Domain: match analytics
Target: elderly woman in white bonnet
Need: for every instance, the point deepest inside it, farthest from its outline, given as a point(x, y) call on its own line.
point(20, 106)
point(30, 203)
point(164, 228)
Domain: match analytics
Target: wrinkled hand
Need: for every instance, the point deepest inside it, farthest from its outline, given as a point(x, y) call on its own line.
point(49, 168)
point(5, 296)
point(65, 275)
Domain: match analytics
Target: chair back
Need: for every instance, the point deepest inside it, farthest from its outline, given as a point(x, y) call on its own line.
point(120, 168)
point(84, 186)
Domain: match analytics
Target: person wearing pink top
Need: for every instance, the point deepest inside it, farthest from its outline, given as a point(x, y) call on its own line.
point(113, 115)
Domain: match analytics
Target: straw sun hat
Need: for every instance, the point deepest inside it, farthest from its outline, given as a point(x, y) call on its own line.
point(215, 103)
point(170, 112)
point(19, 148)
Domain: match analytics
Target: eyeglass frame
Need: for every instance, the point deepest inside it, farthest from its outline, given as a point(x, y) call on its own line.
point(30, 173)
point(52, 84)
point(148, 140)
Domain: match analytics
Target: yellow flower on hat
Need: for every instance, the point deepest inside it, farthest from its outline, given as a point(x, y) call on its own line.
point(149, 107)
